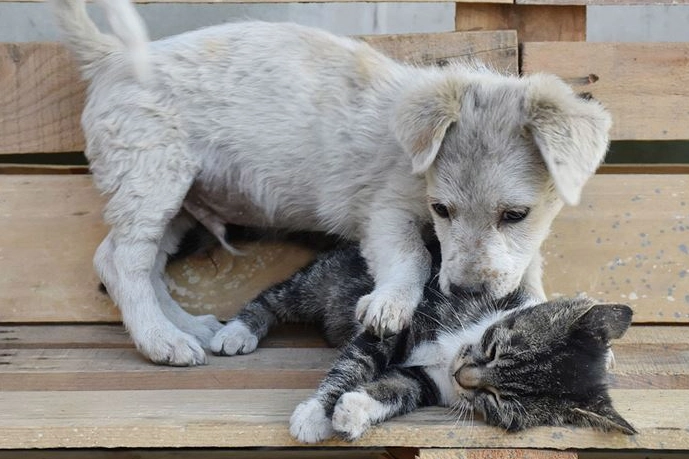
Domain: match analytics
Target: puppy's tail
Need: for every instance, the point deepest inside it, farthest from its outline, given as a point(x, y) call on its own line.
point(89, 44)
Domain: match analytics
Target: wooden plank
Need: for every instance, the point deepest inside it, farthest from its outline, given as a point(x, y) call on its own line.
point(126, 369)
point(268, 1)
point(495, 454)
point(248, 418)
point(541, 23)
point(645, 85)
point(41, 113)
point(297, 335)
point(25, 169)
point(644, 169)
point(627, 242)
point(114, 336)
point(199, 453)
point(496, 48)
point(602, 2)
point(652, 357)
point(55, 222)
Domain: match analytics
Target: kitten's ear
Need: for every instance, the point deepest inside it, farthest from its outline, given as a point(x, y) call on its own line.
point(422, 118)
point(612, 320)
point(602, 416)
point(570, 132)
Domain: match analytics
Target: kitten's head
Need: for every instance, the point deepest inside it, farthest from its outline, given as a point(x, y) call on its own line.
point(544, 365)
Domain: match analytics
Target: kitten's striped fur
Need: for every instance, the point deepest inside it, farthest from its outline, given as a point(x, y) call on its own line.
point(515, 363)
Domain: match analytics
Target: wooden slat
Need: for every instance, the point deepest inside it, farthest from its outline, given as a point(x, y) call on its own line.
point(602, 2)
point(115, 336)
point(495, 454)
point(627, 242)
point(25, 169)
point(644, 169)
point(126, 369)
point(247, 418)
point(55, 222)
point(496, 48)
point(645, 85)
point(41, 112)
point(199, 453)
point(596, 248)
point(532, 22)
point(647, 357)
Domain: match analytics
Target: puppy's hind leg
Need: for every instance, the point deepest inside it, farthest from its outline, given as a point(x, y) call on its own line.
point(201, 327)
point(148, 195)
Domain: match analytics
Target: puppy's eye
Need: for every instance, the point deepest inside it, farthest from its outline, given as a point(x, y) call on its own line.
point(441, 210)
point(514, 215)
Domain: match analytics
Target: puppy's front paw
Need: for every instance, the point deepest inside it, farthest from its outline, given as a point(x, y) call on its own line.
point(387, 313)
point(354, 413)
point(170, 346)
point(234, 338)
point(309, 424)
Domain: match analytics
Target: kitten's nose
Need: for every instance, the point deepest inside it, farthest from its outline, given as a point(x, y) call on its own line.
point(469, 377)
point(464, 290)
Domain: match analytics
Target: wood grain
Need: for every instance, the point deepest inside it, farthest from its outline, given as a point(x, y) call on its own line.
point(495, 454)
point(87, 336)
point(41, 113)
point(626, 242)
point(496, 48)
point(541, 23)
point(602, 2)
point(646, 358)
point(249, 418)
point(126, 369)
point(644, 85)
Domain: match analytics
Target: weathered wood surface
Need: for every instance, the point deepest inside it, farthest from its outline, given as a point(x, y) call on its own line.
point(628, 242)
point(602, 2)
point(41, 112)
point(35, 358)
point(644, 85)
point(494, 454)
point(532, 22)
point(247, 418)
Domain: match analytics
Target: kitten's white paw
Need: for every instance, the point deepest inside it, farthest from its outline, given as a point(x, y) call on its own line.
point(234, 338)
point(355, 412)
point(385, 312)
point(309, 424)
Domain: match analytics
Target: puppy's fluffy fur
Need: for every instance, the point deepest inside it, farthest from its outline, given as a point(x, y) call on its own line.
point(287, 126)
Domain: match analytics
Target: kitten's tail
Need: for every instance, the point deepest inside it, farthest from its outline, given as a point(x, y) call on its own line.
point(90, 44)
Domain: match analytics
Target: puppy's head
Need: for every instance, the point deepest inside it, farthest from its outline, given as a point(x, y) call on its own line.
point(500, 156)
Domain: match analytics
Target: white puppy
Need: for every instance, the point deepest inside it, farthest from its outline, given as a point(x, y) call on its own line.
point(287, 126)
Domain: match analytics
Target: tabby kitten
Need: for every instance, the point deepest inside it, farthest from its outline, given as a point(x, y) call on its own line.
point(516, 363)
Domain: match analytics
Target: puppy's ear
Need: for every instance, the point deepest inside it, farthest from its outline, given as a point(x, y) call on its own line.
point(422, 118)
point(571, 133)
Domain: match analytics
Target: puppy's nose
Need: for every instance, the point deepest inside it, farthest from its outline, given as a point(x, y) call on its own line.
point(469, 377)
point(468, 289)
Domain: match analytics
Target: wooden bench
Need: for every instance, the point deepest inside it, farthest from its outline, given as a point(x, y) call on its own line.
point(70, 377)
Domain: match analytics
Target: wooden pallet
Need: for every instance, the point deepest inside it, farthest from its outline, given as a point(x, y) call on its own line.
point(71, 381)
